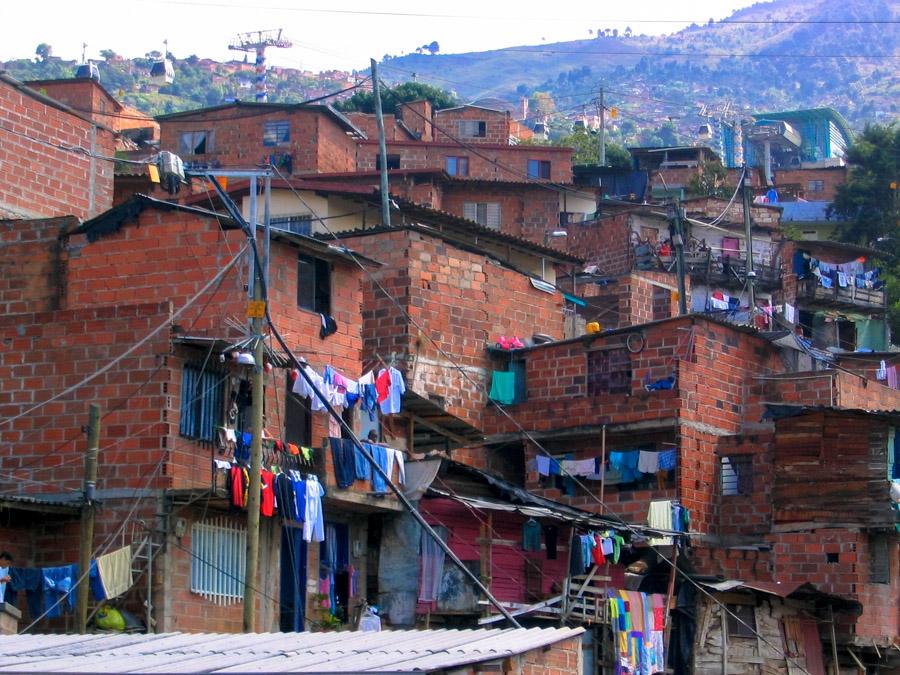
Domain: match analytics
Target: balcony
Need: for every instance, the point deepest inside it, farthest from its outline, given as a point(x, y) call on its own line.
point(712, 269)
point(811, 292)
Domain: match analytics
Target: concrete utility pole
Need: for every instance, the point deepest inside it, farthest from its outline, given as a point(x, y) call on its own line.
point(750, 275)
point(382, 148)
point(602, 130)
point(87, 517)
point(678, 240)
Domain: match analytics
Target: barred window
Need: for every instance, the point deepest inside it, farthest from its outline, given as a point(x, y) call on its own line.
point(218, 560)
point(202, 403)
point(276, 133)
point(609, 372)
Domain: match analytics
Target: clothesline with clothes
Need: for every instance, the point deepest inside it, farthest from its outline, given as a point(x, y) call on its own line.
point(843, 275)
point(294, 495)
point(50, 591)
point(638, 621)
point(594, 548)
point(382, 391)
point(351, 465)
point(622, 466)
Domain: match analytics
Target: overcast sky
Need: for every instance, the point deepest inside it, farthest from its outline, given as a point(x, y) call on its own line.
point(341, 34)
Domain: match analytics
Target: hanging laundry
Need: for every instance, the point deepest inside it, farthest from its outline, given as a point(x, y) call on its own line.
point(668, 459)
point(284, 489)
point(503, 387)
point(551, 536)
point(790, 313)
point(597, 551)
point(432, 565)
point(383, 385)
point(543, 465)
point(267, 493)
point(660, 518)
point(626, 464)
point(390, 405)
point(344, 461)
point(379, 454)
point(361, 468)
point(30, 580)
point(648, 461)
point(531, 535)
point(313, 523)
point(329, 326)
point(578, 467)
point(59, 582)
point(114, 571)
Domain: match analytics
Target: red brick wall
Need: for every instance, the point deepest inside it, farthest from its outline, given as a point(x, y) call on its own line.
point(317, 144)
point(801, 177)
point(492, 162)
point(51, 351)
point(446, 125)
point(46, 181)
point(462, 300)
point(527, 211)
point(605, 242)
point(37, 285)
point(85, 96)
point(831, 388)
point(417, 116)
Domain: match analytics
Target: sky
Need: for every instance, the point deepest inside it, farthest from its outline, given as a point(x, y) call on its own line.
point(341, 34)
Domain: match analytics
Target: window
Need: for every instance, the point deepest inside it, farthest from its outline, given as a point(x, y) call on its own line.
point(276, 133)
point(218, 557)
point(538, 168)
point(202, 403)
point(609, 371)
point(472, 128)
point(457, 166)
point(741, 621)
point(196, 142)
point(296, 224)
point(483, 213)
point(879, 559)
point(815, 186)
point(313, 284)
point(393, 162)
point(736, 474)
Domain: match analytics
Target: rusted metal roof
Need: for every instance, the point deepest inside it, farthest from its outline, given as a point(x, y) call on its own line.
point(426, 651)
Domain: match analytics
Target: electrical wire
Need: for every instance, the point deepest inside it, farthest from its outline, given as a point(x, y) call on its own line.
point(480, 386)
point(222, 272)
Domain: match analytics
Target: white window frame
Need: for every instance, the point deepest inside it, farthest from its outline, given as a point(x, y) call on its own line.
point(486, 214)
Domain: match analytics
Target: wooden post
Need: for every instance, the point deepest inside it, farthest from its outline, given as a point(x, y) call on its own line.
point(87, 518)
point(602, 470)
point(834, 653)
point(669, 593)
point(724, 618)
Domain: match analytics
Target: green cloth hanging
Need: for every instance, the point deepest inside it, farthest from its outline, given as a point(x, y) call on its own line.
point(503, 387)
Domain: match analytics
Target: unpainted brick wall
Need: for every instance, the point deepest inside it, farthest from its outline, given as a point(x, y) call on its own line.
point(446, 125)
point(41, 180)
point(32, 264)
point(317, 144)
point(832, 178)
point(462, 300)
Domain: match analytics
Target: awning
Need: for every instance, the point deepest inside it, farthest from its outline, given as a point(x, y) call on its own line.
point(434, 426)
point(798, 590)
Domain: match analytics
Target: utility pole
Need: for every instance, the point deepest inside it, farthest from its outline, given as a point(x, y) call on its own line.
point(87, 517)
point(251, 572)
point(750, 275)
point(602, 130)
point(382, 148)
point(678, 240)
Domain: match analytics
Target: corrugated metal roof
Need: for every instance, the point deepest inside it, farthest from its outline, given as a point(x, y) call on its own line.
point(808, 212)
point(332, 652)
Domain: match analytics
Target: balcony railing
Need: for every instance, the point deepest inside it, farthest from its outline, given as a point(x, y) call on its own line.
point(811, 291)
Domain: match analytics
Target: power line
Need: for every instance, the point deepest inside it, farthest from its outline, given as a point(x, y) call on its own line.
point(505, 18)
point(480, 386)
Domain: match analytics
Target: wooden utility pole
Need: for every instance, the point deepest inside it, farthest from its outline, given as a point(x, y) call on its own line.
point(251, 571)
point(678, 240)
point(87, 517)
point(382, 148)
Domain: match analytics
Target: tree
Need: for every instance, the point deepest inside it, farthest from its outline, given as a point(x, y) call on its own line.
point(44, 52)
point(587, 149)
point(433, 47)
point(108, 54)
point(711, 180)
point(870, 200)
point(391, 97)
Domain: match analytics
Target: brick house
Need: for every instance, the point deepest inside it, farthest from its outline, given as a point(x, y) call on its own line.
point(296, 138)
point(39, 178)
point(755, 514)
point(157, 457)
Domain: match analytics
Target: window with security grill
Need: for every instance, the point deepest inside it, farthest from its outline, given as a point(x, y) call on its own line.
point(736, 475)
point(483, 213)
point(276, 133)
point(608, 372)
point(202, 402)
point(879, 559)
point(218, 560)
point(472, 128)
point(296, 224)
